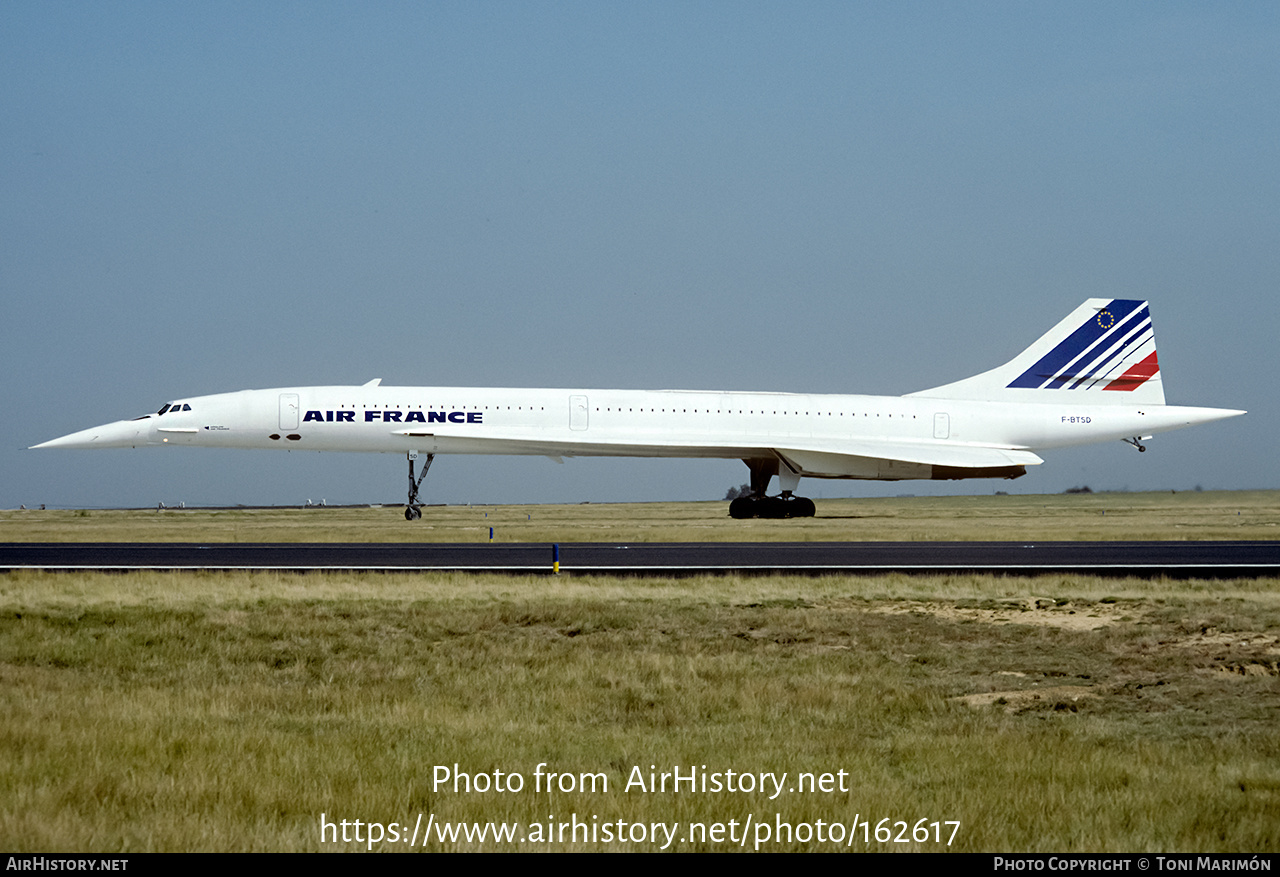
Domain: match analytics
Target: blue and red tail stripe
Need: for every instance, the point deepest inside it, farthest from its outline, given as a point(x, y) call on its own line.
point(1136, 376)
point(1102, 345)
point(1133, 331)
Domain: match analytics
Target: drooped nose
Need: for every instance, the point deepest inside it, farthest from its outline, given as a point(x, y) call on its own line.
point(121, 434)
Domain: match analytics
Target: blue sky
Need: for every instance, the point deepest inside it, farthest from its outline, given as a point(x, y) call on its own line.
point(814, 197)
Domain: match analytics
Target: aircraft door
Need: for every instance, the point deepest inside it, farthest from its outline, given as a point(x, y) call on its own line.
point(288, 410)
point(578, 412)
point(941, 426)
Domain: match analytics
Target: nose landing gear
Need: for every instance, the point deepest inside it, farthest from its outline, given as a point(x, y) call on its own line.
point(413, 510)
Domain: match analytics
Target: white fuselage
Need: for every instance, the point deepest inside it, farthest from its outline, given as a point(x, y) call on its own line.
point(834, 436)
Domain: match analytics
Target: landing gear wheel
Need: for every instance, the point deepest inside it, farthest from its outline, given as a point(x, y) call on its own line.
point(775, 507)
point(803, 507)
point(412, 514)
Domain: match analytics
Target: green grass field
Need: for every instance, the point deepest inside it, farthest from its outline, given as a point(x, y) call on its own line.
point(229, 711)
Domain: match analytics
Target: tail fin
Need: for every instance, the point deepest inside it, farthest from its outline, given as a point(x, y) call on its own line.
point(1105, 344)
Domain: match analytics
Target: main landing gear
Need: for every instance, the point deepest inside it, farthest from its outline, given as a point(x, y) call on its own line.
point(413, 510)
point(759, 505)
point(782, 506)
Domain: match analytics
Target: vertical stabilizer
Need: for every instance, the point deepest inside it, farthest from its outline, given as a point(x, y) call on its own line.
point(1103, 352)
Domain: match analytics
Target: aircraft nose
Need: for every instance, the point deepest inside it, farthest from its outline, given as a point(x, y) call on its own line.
point(121, 434)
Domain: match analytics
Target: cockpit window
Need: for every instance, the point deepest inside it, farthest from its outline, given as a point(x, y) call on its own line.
point(162, 410)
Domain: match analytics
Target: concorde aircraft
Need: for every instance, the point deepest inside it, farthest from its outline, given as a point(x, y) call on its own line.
point(1093, 377)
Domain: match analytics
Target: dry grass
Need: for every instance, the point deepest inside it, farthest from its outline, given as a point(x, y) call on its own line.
point(227, 711)
point(1120, 516)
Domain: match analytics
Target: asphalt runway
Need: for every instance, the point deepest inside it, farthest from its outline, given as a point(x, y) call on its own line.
point(1176, 559)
